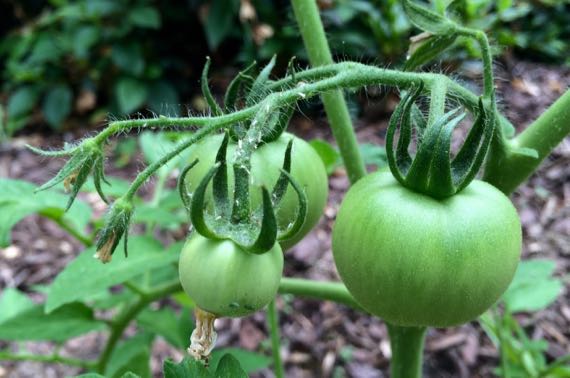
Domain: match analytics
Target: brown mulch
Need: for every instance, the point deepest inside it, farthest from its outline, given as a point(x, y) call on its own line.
point(321, 339)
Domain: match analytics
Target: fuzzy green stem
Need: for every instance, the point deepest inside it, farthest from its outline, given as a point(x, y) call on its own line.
point(54, 358)
point(273, 324)
point(437, 101)
point(407, 345)
point(483, 41)
point(313, 33)
point(507, 168)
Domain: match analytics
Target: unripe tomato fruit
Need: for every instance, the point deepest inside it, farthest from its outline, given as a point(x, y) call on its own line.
point(417, 261)
point(307, 169)
point(226, 280)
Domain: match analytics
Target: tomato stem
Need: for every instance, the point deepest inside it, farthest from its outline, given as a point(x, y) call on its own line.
point(407, 351)
point(314, 38)
point(273, 324)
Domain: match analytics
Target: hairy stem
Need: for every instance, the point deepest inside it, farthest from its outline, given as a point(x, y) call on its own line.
point(273, 324)
point(407, 351)
point(313, 33)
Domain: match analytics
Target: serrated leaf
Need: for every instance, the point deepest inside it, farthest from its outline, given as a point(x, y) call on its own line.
point(18, 200)
point(533, 288)
point(249, 361)
point(57, 105)
point(86, 276)
point(13, 302)
point(187, 368)
point(130, 94)
point(33, 324)
point(131, 356)
point(428, 20)
point(229, 367)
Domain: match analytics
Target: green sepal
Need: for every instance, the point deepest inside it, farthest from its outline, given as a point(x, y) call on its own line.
point(470, 157)
point(98, 176)
point(220, 180)
point(418, 176)
point(268, 233)
point(241, 208)
point(117, 222)
point(60, 153)
point(81, 177)
point(214, 107)
point(184, 197)
point(258, 89)
point(429, 47)
point(198, 206)
point(236, 85)
point(428, 20)
point(71, 166)
point(280, 187)
point(301, 213)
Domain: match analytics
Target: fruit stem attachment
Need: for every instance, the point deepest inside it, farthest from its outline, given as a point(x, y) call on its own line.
point(407, 345)
point(273, 324)
point(203, 338)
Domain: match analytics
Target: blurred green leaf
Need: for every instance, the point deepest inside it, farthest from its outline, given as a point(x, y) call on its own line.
point(187, 368)
point(66, 322)
point(533, 288)
point(373, 154)
point(129, 59)
point(163, 98)
point(13, 302)
point(22, 101)
point(145, 17)
point(18, 200)
point(219, 22)
point(86, 276)
point(166, 323)
point(328, 154)
point(131, 356)
point(130, 94)
point(57, 105)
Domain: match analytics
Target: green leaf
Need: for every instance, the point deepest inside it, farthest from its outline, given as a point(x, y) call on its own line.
point(33, 324)
point(187, 368)
point(57, 105)
point(86, 276)
point(18, 200)
point(163, 98)
point(249, 361)
point(220, 20)
point(22, 101)
point(424, 51)
point(131, 356)
point(129, 58)
point(84, 39)
point(130, 94)
point(165, 323)
point(328, 154)
point(533, 287)
point(90, 375)
point(162, 217)
point(373, 154)
point(229, 367)
point(145, 17)
point(13, 302)
point(427, 20)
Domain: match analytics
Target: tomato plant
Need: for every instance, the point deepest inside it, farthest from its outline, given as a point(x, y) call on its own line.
point(418, 261)
point(306, 168)
point(227, 280)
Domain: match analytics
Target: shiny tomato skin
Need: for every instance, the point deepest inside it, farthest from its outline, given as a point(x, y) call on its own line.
point(224, 279)
point(417, 261)
point(306, 167)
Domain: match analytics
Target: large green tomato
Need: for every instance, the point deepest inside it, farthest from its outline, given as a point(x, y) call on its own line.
point(417, 261)
point(307, 169)
point(226, 280)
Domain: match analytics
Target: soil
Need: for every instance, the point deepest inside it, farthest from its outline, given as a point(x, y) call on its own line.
point(322, 339)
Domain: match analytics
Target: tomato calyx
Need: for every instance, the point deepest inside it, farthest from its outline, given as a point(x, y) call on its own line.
point(432, 171)
point(256, 231)
point(117, 222)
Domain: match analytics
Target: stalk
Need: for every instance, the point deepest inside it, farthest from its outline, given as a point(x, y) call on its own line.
point(313, 33)
point(273, 323)
point(407, 350)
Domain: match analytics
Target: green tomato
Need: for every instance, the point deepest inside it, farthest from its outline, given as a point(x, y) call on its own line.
point(417, 261)
point(307, 169)
point(226, 280)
